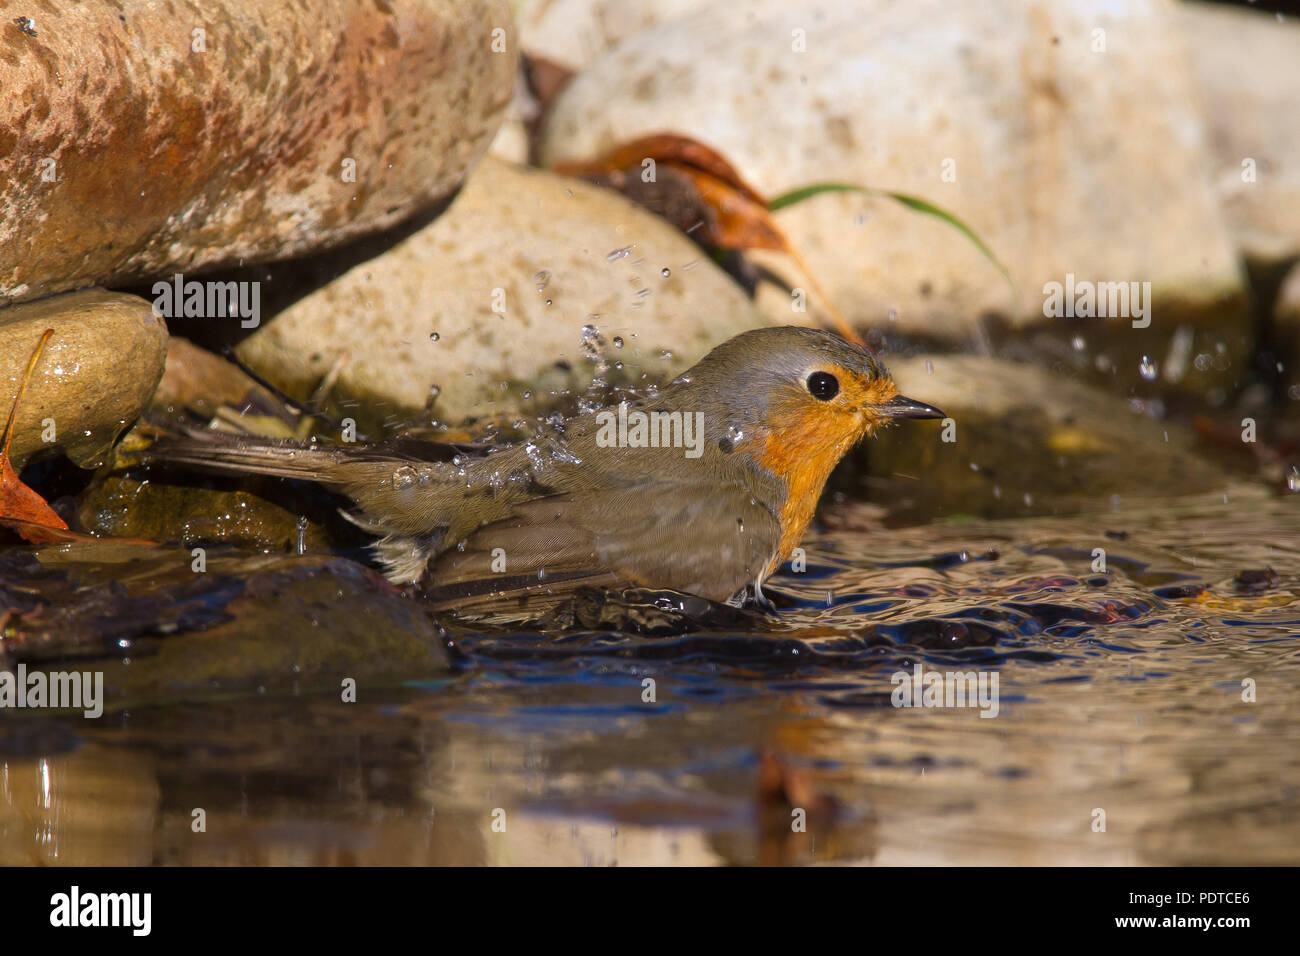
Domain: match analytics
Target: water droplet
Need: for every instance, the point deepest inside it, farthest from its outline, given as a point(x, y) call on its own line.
point(665, 272)
point(542, 278)
point(1293, 478)
point(740, 525)
point(617, 254)
point(403, 478)
point(618, 341)
point(548, 301)
point(434, 336)
point(1147, 368)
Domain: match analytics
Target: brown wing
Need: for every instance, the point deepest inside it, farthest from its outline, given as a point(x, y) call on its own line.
point(705, 539)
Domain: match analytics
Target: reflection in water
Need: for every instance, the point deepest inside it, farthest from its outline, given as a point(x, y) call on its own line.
point(1121, 693)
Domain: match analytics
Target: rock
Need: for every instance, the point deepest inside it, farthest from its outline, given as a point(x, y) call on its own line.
point(1026, 441)
point(999, 112)
point(159, 138)
point(554, 255)
point(1247, 66)
point(573, 33)
point(201, 382)
point(253, 513)
point(159, 629)
point(511, 142)
point(95, 376)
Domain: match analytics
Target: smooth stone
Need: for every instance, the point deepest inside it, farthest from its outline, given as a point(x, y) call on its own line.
point(95, 376)
point(160, 630)
point(201, 382)
point(1028, 441)
point(1058, 166)
point(573, 33)
point(1247, 66)
point(255, 513)
point(132, 154)
point(555, 255)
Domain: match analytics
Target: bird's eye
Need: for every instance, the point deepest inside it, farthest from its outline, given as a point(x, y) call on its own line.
point(823, 386)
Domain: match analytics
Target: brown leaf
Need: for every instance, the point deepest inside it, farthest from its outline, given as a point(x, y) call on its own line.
point(738, 221)
point(16, 499)
point(679, 151)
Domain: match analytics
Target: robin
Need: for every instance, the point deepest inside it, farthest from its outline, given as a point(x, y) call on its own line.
point(704, 487)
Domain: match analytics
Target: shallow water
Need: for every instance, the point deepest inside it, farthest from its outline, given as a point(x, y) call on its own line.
point(1119, 692)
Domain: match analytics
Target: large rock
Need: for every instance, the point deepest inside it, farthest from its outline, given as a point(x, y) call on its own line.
point(573, 33)
point(131, 144)
point(1023, 440)
point(1054, 160)
point(1248, 69)
point(94, 377)
point(171, 623)
point(554, 255)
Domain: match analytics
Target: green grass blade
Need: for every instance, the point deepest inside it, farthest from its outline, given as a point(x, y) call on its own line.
point(915, 203)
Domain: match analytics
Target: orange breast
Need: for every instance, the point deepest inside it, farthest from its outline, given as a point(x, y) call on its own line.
point(804, 457)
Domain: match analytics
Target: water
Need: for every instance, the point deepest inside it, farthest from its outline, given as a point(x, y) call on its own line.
point(1119, 692)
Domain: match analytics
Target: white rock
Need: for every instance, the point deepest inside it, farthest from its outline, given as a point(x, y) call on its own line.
point(572, 33)
point(1064, 158)
point(554, 255)
point(1247, 65)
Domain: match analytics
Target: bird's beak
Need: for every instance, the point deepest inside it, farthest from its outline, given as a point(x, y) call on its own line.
point(902, 407)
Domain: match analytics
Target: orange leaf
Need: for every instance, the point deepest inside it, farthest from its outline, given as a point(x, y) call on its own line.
point(16, 499)
point(664, 148)
point(739, 222)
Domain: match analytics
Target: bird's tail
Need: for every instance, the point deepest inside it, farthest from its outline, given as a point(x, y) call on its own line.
point(244, 455)
point(401, 487)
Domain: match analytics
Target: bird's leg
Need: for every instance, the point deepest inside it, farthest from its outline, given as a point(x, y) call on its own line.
point(760, 599)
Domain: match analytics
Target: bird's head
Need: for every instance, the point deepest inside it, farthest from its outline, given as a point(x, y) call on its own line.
point(795, 396)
